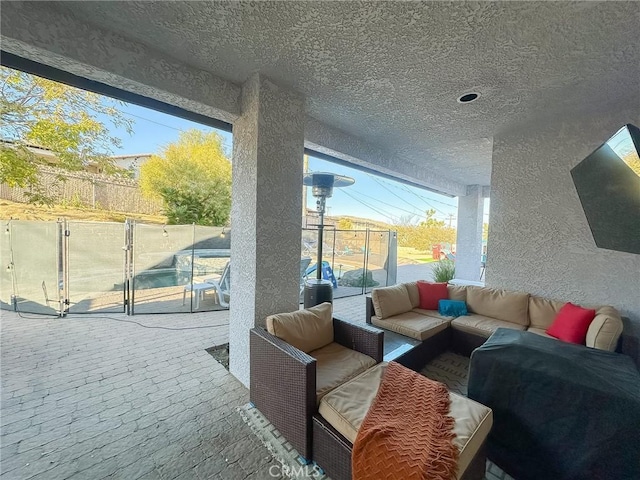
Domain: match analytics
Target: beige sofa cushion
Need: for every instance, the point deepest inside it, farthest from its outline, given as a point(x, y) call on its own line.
point(605, 329)
point(481, 325)
point(335, 365)
point(346, 406)
point(542, 311)
point(500, 304)
point(414, 294)
point(432, 313)
point(412, 324)
point(457, 292)
point(306, 330)
point(390, 301)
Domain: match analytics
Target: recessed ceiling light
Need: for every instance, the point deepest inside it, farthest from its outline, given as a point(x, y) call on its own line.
point(468, 97)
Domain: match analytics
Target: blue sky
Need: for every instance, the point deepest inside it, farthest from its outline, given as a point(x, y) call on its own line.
point(371, 196)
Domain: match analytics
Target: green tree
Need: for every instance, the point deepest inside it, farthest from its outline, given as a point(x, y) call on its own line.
point(430, 220)
point(193, 178)
point(426, 234)
point(71, 123)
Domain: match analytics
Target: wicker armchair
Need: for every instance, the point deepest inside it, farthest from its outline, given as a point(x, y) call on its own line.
point(283, 383)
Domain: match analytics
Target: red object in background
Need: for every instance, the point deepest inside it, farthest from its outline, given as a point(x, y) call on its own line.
point(435, 251)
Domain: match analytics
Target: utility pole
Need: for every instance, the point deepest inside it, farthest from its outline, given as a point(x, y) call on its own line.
point(450, 218)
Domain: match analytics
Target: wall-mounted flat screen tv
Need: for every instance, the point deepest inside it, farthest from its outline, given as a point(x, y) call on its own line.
point(608, 184)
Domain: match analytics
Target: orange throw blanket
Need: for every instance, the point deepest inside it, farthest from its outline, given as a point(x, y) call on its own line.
point(407, 433)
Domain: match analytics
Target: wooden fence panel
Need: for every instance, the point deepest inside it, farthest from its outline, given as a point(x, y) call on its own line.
point(88, 190)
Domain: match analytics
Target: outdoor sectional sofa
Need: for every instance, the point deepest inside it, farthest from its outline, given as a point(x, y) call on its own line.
point(396, 308)
point(545, 394)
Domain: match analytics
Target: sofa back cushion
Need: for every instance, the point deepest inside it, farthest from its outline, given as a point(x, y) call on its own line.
point(500, 304)
point(457, 292)
point(605, 329)
point(307, 330)
point(390, 301)
point(542, 311)
point(414, 294)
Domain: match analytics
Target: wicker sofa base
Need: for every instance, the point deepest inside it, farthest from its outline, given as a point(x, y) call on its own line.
point(332, 453)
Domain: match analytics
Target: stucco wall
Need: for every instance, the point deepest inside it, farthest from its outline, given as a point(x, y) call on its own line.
point(540, 240)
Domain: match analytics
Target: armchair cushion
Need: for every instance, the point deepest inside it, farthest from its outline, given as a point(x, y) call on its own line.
point(306, 330)
point(335, 365)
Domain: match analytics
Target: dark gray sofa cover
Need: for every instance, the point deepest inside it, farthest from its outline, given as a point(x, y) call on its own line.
point(561, 411)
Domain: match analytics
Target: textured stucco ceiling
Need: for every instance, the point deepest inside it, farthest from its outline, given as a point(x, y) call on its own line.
point(389, 73)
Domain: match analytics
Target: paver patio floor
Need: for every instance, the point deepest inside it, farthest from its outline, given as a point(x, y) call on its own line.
point(89, 397)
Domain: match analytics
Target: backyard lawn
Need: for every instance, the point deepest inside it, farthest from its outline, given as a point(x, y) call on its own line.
point(408, 255)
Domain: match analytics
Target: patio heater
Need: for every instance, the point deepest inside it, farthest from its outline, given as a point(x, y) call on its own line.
point(317, 291)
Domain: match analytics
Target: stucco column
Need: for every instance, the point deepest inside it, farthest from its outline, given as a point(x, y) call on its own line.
point(268, 147)
point(469, 237)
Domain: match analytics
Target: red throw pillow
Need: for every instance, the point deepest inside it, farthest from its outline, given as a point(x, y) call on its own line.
point(431, 294)
point(571, 323)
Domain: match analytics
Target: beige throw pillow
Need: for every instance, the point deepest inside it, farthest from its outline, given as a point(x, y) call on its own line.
point(307, 330)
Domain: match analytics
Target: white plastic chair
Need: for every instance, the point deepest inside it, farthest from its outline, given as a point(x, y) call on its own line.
point(222, 286)
point(199, 289)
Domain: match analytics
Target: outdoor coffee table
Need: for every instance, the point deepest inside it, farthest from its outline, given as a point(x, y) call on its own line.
point(396, 345)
